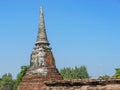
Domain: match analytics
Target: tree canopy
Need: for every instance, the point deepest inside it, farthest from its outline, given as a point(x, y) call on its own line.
point(22, 73)
point(104, 77)
point(74, 73)
point(7, 82)
point(117, 73)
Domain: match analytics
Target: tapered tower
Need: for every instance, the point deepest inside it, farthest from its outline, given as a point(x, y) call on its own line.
point(42, 63)
point(42, 37)
point(41, 57)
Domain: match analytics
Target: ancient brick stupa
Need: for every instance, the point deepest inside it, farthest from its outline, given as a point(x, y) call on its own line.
point(42, 63)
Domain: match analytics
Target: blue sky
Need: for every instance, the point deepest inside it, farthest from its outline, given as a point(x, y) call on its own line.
point(81, 32)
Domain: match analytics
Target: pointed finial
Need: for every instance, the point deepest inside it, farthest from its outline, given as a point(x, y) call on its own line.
point(41, 9)
point(42, 36)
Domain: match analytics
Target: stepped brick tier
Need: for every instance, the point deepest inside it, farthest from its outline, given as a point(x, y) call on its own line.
point(43, 74)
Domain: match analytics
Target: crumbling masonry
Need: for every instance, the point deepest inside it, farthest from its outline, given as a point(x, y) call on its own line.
point(43, 74)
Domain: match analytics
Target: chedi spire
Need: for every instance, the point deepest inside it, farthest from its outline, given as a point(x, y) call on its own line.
point(42, 36)
point(42, 63)
point(41, 56)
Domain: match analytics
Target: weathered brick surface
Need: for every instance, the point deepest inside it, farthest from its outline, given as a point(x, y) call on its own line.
point(36, 81)
point(111, 84)
point(86, 87)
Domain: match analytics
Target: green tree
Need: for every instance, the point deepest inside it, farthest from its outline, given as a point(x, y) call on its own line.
point(117, 73)
point(0, 83)
point(20, 76)
point(66, 73)
point(104, 77)
point(22, 73)
point(83, 72)
point(74, 73)
point(7, 82)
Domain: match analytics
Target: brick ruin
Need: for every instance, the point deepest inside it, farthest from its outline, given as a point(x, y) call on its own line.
point(83, 84)
point(42, 63)
point(43, 74)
